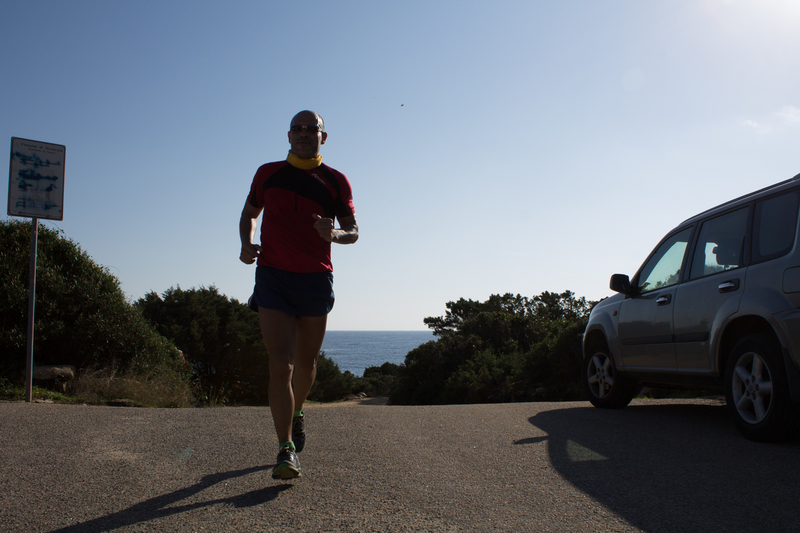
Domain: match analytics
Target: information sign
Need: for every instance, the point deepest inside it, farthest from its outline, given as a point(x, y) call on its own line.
point(36, 179)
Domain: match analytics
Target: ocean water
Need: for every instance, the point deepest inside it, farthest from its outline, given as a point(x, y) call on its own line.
point(357, 350)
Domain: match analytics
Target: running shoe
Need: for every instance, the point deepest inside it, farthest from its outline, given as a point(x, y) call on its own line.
point(288, 466)
point(299, 433)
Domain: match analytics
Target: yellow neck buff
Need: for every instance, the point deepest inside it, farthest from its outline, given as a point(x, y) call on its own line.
point(305, 164)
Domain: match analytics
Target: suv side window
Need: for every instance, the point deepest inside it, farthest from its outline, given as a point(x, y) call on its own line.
point(774, 226)
point(664, 266)
point(720, 245)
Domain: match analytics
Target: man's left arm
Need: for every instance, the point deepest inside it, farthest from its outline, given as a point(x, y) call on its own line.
point(346, 234)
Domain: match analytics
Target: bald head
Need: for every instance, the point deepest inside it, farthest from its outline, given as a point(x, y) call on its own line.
point(304, 116)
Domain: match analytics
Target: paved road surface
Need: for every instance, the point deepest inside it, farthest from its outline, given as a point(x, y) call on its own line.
point(656, 466)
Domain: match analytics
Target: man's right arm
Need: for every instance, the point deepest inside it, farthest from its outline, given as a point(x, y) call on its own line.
point(248, 223)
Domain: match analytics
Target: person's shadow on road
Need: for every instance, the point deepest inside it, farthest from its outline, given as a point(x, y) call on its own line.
point(162, 506)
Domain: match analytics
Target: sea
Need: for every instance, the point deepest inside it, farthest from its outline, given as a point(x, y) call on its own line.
point(357, 350)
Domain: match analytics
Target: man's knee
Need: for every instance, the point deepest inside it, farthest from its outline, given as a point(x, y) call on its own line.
point(309, 369)
point(306, 358)
point(280, 367)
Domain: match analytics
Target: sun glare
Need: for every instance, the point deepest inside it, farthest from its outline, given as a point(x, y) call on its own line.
point(761, 16)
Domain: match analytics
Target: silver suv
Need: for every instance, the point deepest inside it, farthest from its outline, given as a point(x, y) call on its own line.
point(716, 306)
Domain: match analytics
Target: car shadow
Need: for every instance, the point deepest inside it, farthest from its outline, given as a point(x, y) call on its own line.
point(169, 504)
point(674, 467)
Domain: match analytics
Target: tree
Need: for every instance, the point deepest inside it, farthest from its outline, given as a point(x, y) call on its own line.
point(82, 316)
point(331, 383)
point(220, 336)
point(504, 349)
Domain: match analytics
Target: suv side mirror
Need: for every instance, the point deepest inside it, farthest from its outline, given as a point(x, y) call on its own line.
point(620, 283)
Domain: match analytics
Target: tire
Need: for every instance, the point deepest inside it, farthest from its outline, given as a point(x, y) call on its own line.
point(606, 388)
point(757, 390)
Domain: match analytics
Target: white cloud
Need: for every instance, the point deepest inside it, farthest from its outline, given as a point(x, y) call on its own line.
point(756, 127)
point(790, 115)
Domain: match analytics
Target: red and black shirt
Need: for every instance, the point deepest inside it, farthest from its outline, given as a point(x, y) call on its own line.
point(290, 197)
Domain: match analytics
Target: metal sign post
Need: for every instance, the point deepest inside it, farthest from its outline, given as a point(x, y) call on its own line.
point(36, 190)
point(31, 310)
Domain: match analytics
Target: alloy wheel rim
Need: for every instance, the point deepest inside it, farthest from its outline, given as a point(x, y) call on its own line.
point(752, 388)
point(600, 375)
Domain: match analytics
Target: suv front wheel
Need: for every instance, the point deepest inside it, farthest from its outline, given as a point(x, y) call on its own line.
point(757, 391)
point(605, 387)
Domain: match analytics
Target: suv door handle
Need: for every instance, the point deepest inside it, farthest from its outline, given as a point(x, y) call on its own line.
point(663, 300)
point(729, 286)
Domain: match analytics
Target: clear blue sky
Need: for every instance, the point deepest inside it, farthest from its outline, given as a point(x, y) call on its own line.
point(493, 146)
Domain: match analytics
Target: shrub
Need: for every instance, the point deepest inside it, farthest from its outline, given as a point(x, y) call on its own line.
point(104, 384)
point(82, 317)
point(428, 367)
point(556, 365)
point(331, 384)
point(508, 348)
point(219, 336)
point(379, 380)
point(487, 377)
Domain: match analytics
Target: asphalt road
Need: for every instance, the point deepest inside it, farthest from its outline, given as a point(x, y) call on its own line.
point(656, 466)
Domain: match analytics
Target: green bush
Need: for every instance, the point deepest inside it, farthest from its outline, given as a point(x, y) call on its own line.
point(379, 380)
point(487, 377)
point(82, 316)
point(508, 348)
point(332, 384)
point(555, 365)
point(428, 367)
point(219, 336)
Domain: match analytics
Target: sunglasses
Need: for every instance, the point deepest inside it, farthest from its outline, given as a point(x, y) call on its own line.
point(313, 128)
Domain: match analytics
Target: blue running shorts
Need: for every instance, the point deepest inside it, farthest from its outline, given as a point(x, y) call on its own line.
point(298, 294)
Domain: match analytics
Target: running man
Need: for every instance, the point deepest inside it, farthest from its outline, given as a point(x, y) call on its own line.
point(300, 198)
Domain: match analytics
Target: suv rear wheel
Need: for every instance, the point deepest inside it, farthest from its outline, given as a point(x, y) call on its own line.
point(606, 388)
point(757, 391)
